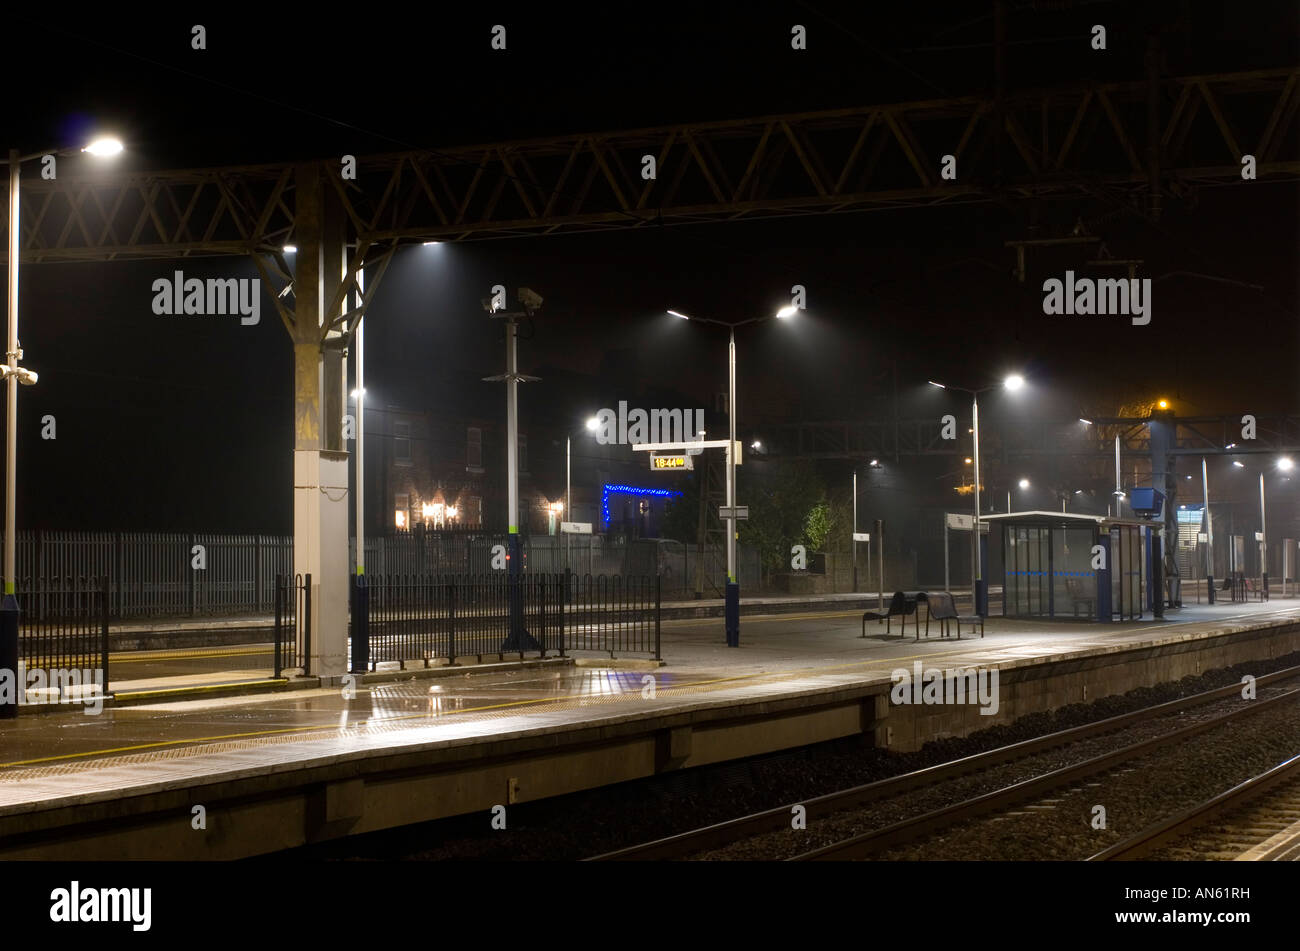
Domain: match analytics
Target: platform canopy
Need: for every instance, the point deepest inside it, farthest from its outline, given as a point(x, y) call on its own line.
point(1037, 517)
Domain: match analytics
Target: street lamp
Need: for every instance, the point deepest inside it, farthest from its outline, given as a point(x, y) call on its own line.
point(1023, 484)
point(1285, 464)
point(732, 610)
point(12, 375)
point(1013, 382)
point(591, 426)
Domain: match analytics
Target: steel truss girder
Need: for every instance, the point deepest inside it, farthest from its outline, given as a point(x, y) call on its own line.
point(1063, 142)
point(1193, 436)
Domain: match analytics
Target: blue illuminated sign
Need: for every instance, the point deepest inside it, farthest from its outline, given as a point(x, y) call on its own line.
point(608, 489)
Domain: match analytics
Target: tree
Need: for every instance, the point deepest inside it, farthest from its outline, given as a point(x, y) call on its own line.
point(781, 498)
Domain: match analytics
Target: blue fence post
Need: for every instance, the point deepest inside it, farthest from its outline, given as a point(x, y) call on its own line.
point(9, 654)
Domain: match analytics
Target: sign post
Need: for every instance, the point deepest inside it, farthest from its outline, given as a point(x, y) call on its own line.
point(667, 456)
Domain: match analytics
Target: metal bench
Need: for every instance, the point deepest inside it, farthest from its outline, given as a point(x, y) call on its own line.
point(900, 605)
point(940, 606)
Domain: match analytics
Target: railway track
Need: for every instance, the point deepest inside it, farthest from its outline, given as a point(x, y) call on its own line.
point(779, 819)
point(1258, 820)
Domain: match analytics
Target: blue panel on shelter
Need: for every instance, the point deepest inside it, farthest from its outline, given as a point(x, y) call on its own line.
point(1147, 502)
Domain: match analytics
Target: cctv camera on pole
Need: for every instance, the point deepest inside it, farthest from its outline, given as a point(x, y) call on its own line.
point(518, 639)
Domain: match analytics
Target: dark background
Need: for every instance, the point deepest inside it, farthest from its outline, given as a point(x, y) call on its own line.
point(173, 424)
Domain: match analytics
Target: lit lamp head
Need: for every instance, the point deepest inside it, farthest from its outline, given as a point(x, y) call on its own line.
point(593, 424)
point(1014, 382)
point(104, 147)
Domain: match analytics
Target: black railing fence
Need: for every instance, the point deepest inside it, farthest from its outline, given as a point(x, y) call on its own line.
point(63, 627)
point(426, 618)
point(292, 624)
point(206, 575)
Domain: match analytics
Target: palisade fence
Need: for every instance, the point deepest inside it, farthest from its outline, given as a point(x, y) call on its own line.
point(151, 574)
point(407, 619)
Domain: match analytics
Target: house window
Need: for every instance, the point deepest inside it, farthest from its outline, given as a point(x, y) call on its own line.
point(474, 448)
point(523, 453)
point(402, 442)
point(401, 513)
point(473, 514)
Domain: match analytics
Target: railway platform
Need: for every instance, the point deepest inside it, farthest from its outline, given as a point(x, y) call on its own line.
point(280, 770)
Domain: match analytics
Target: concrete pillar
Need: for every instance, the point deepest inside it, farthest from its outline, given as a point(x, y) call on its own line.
point(320, 493)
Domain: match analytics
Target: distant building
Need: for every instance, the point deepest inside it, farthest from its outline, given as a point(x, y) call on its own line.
point(446, 470)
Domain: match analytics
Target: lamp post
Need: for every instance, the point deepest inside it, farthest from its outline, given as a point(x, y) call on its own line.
point(14, 374)
point(1013, 382)
point(518, 639)
point(732, 609)
point(591, 425)
point(360, 393)
point(1285, 465)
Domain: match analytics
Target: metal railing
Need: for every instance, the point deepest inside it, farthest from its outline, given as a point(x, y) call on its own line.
point(63, 627)
point(204, 575)
point(425, 618)
point(292, 624)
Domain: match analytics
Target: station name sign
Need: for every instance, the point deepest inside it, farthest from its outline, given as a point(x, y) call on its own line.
point(672, 460)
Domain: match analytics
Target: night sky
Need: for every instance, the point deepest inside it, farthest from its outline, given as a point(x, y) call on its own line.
point(168, 424)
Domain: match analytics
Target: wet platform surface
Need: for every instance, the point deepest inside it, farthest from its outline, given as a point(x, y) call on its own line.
point(71, 756)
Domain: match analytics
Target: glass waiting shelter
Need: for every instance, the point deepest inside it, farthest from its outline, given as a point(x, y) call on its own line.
point(1071, 567)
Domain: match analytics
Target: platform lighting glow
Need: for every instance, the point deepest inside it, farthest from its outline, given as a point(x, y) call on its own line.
point(969, 460)
point(356, 393)
point(429, 244)
point(291, 249)
point(875, 463)
point(1163, 404)
point(939, 385)
point(1024, 483)
point(1239, 465)
point(557, 507)
point(789, 310)
point(1285, 464)
point(593, 424)
point(677, 314)
point(1086, 422)
point(104, 147)
point(1231, 445)
point(1014, 382)
point(756, 445)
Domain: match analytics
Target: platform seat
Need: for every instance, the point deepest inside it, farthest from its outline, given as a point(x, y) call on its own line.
point(900, 606)
point(941, 607)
